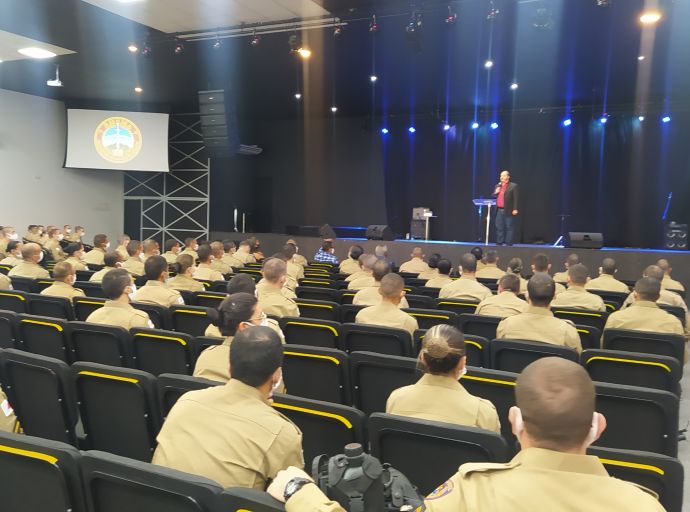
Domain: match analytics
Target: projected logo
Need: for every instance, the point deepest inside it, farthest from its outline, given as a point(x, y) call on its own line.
point(117, 140)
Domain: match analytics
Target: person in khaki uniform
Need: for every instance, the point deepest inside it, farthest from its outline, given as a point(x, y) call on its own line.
point(204, 270)
point(190, 247)
point(69, 233)
point(112, 260)
point(350, 265)
point(606, 282)
point(184, 280)
point(8, 420)
point(438, 396)
point(466, 287)
point(230, 433)
point(542, 265)
point(667, 283)
point(555, 425)
point(295, 272)
point(64, 277)
point(562, 277)
point(515, 268)
point(365, 278)
point(5, 282)
point(32, 255)
point(243, 254)
point(370, 295)
point(14, 254)
point(270, 294)
point(156, 291)
point(217, 262)
point(53, 246)
point(432, 271)
point(506, 302)
point(240, 283)
point(117, 287)
point(100, 246)
point(229, 259)
point(150, 248)
point(416, 264)
point(387, 313)
point(298, 259)
point(538, 322)
point(490, 269)
point(576, 296)
point(359, 273)
point(443, 267)
point(33, 234)
point(75, 253)
point(172, 250)
point(133, 263)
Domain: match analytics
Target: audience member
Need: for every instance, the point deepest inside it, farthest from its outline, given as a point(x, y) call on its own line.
point(118, 286)
point(229, 258)
point(204, 270)
point(365, 279)
point(576, 296)
point(298, 259)
point(156, 291)
point(111, 260)
point(432, 271)
point(133, 263)
point(53, 246)
point(70, 233)
point(75, 253)
point(506, 302)
point(172, 250)
point(150, 248)
point(606, 281)
point(444, 267)
point(243, 253)
point(32, 255)
point(64, 277)
point(33, 234)
point(79, 234)
point(240, 283)
point(542, 265)
point(360, 272)
point(217, 263)
point(416, 264)
point(271, 296)
point(350, 265)
point(467, 287)
point(478, 253)
point(387, 313)
point(122, 242)
point(381, 252)
point(100, 246)
point(515, 268)
point(370, 296)
point(490, 269)
point(5, 282)
point(190, 247)
point(667, 283)
point(665, 296)
point(255, 249)
point(13, 254)
point(562, 277)
point(184, 268)
point(326, 253)
point(295, 272)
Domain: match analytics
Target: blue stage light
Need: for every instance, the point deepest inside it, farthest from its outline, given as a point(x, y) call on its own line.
point(384, 131)
point(603, 119)
point(494, 125)
point(446, 127)
point(474, 125)
point(640, 118)
point(567, 122)
point(411, 129)
point(666, 119)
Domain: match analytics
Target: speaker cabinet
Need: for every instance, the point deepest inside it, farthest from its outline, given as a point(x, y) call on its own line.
point(379, 232)
point(676, 237)
point(581, 240)
point(218, 124)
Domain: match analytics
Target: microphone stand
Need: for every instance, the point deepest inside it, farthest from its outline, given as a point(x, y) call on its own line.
point(562, 216)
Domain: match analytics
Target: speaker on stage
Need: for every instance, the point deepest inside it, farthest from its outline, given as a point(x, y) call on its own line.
point(379, 232)
point(580, 240)
point(218, 124)
point(676, 236)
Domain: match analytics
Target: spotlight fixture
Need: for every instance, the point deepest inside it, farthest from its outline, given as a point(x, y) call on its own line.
point(488, 64)
point(133, 48)
point(373, 25)
point(146, 51)
point(666, 119)
point(138, 90)
point(56, 82)
point(305, 53)
point(373, 78)
point(650, 17)
point(179, 48)
point(514, 86)
point(474, 125)
point(493, 11)
point(334, 109)
point(217, 44)
point(411, 129)
point(604, 119)
point(298, 96)
point(494, 125)
point(255, 40)
point(36, 53)
point(415, 23)
point(452, 16)
point(446, 127)
point(384, 131)
point(640, 118)
point(337, 30)
point(567, 122)
point(640, 57)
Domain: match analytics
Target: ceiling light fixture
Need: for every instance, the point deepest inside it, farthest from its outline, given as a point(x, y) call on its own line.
point(133, 48)
point(334, 109)
point(305, 53)
point(373, 78)
point(298, 96)
point(650, 17)
point(36, 53)
point(514, 86)
point(493, 11)
point(217, 44)
point(179, 48)
point(56, 82)
point(489, 64)
point(452, 16)
point(138, 90)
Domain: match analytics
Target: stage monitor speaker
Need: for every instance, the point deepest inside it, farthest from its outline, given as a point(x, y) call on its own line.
point(676, 237)
point(324, 231)
point(581, 240)
point(218, 124)
point(379, 232)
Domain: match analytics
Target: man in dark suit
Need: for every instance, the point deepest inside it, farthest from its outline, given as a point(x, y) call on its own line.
point(506, 194)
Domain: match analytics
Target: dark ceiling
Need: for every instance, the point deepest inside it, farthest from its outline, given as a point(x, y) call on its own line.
point(587, 58)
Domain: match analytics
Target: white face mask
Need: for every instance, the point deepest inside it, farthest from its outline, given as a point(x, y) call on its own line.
point(13, 236)
point(68, 231)
point(73, 280)
point(134, 290)
point(277, 385)
point(196, 247)
point(60, 237)
point(40, 257)
point(107, 246)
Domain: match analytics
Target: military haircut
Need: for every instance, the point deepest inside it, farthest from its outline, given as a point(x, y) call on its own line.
point(110, 259)
point(608, 266)
point(288, 251)
point(189, 242)
point(655, 272)
point(228, 245)
point(204, 253)
point(444, 266)
point(510, 282)
point(356, 251)
point(648, 288)
point(114, 283)
point(30, 249)
point(392, 286)
point(150, 245)
point(100, 239)
point(170, 244)
point(380, 269)
point(433, 260)
point(417, 252)
point(541, 289)
point(491, 256)
point(274, 269)
point(133, 247)
point(241, 283)
point(578, 274)
point(154, 267)
point(572, 259)
point(72, 248)
point(468, 263)
point(61, 270)
point(256, 354)
point(540, 262)
point(369, 261)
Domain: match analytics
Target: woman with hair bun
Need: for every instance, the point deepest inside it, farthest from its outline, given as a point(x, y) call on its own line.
point(438, 396)
point(184, 280)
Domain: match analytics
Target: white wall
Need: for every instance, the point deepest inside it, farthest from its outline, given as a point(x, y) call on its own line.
point(34, 187)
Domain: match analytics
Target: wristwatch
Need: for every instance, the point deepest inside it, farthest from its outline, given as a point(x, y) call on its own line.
point(295, 485)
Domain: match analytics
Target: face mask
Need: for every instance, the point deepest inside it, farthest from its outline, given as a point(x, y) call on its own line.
point(264, 322)
point(277, 385)
point(196, 247)
point(73, 280)
point(13, 236)
point(19, 256)
point(134, 290)
point(107, 246)
point(60, 237)
point(68, 231)
point(463, 372)
point(40, 257)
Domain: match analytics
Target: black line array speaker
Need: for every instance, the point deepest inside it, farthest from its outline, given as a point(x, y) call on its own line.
point(581, 240)
point(676, 236)
point(379, 232)
point(218, 124)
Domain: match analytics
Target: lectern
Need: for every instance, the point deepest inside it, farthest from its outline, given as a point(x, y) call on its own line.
point(480, 204)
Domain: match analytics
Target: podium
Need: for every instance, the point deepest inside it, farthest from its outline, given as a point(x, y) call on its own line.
point(480, 204)
point(420, 222)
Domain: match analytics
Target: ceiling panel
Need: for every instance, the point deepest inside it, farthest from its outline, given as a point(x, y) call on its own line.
point(10, 43)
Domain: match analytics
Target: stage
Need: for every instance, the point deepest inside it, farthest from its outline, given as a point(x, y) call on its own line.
point(630, 261)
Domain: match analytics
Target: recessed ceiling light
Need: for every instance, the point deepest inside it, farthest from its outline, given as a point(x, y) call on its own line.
point(640, 57)
point(36, 53)
point(305, 53)
point(133, 48)
point(138, 89)
point(650, 17)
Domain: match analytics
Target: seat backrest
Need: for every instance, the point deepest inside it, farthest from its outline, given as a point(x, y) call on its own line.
point(659, 473)
point(590, 337)
point(346, 297)
point(373, 338)
point(41, 284)
point(84, 306)
point(317, 282)
point(428, 452)
point(84, 275)
point(45, 336)
point(104, 344)
point(633, 369)
point(220, 286)
point(427, 318)
point(515, 355)
point(113, 484)
point(627, 340)
point(375, 376)
point(23, 284)
point(238, 499)
point(119, 409)
point(479, 325)
point(318, 293)
point(159, 315)
point(310, 331)
point(348, 312)
point(319, 309)
point(638, 418)
point(420, 302)
point(428, 291)
point(39, 475)
point(9, 329)
point(172, 386)
point(209, 299)
point(46, 305)
point(41, 392)
point(676, 311)
point(190, 319)
point(582, 316)
point(617, 298)
point(157, 351)
point(317, 373)
point(13, 300)
point(458, 306)
point(94, 290)
point(326, 427)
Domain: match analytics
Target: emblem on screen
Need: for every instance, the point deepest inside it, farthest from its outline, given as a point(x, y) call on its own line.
point(117, 140)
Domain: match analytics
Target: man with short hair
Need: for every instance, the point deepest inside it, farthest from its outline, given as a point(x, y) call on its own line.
point(444, 267)
point(606, 281)
point(100, 246)
point(506, 194)
point(79, 233)
point(244, 254)
point(467, 287)
point(667, 283)
point(369, 295)
point(294, 270)
point(416, 264)
point(172, 250)
point(133, 263)
point(70, 234)
point(121, 249)
point(229, 250)
point(351, 265)
point(155, 291)
point(326, 253)
point(217, 263)
point(190, 247)
point(562, 277)
point(111, 260)
point(360, 272)
point(117, 287)
point(14, 254)
point(33, 234)
point(150, 248)
point(270, 293)
point(537, 323)
point(32, 255)
point(75, 253)
point(432, 271)
point(387, 313)
point(506, 302)
point(576, 296)
point(64, 277)
point(53, 246)
point(665, 296)
point(364, 279)
point(230, 433)
point(542, 265)
point(490, 269)
point(381, 252)
point(298, 259)
point(204, 271)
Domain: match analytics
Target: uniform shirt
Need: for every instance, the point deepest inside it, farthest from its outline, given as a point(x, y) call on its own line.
point(325, 257)
point(356, 275)
point(607, 283)
point(523, 282)
point(60, 289)
point(33, 237)
point(670, 284)
point(295, 272)
point(439, 281)
point(439, 398)
point(122, 251)
point(669, 298)
point(387, 314)
point(230, 260)
point(490, 271)
point(76, 264)
point(370, 296)
point(577, 297)
point(219, 265)
point(244, 257)
point(205, 272)
point(300, 260)
point(72, 237)
point(364, 281)
point(504, 304)
point(539, 324)
point(120, 314)
point(466, 288)
point(349, 266)
point(430, 273)
point(56, 252)
point(134, 266)
point(170, 257)
point(155, 292)
point(214, 362)
point(4, 242)
point(274, 302)
point(97, 277)
point(559, 289)
point(8, 420)
point(561, 277)
point(183, 282)
point(29, 269)
point(644, 315)
point(286, 290)
point(11, 261)
point(414, 266)
point(95, 256)
point(229, 434)
point(5, 282)
point(192, 253)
